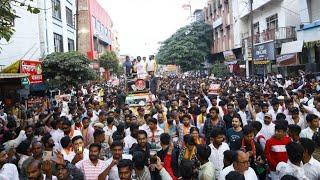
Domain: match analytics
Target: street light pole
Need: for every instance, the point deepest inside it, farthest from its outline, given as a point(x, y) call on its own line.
point(252, 34)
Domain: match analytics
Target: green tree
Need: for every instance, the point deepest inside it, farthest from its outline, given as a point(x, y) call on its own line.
point(8, 14)
point(219, 69)
point(188, 47)
point(63, 69)
point(110, 61)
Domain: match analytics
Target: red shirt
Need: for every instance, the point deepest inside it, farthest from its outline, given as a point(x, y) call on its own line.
point(275, 151)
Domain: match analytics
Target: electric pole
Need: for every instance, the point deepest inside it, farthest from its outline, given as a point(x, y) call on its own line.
point(252, 34)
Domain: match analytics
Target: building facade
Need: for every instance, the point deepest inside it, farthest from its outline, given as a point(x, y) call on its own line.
point(218, 15)
point(37, 35)
point(95, 29)
point(274, 23)
point(309, 33)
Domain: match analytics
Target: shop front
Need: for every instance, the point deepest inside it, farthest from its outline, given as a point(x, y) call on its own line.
point(288, 62)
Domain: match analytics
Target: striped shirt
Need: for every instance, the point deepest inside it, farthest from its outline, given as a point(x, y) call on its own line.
point(91, 171)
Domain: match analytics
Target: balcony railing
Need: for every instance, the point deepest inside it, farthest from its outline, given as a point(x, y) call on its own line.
point(271, 34)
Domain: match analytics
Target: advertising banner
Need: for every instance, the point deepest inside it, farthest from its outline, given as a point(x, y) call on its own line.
point(33, 69)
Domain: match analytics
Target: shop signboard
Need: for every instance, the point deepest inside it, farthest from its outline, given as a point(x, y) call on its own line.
point(229, 55)
point(264, 51)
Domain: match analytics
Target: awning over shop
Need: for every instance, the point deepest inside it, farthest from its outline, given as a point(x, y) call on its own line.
point(12, 75)
point(291, 47)
point(12, 68)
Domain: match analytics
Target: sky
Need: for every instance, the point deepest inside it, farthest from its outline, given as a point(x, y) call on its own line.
point(143, 24)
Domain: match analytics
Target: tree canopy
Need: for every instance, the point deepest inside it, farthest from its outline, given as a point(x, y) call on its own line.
point(110, 61)
point(188, 47)
point(8, 14)
point(70, 68)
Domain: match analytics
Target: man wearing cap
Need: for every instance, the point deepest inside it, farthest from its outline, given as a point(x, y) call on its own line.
point(282, 106)
point(267, 129)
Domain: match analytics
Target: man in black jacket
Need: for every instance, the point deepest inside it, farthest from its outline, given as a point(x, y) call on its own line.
point(142, 145)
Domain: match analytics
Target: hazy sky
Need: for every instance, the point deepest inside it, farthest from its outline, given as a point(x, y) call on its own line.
point(142, 24)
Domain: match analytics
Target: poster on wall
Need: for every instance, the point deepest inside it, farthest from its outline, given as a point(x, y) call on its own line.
point(33, 69)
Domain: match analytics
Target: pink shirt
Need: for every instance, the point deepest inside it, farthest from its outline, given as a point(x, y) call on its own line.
point(90, 171)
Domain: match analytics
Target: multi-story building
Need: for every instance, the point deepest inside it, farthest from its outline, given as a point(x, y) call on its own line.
point(95, 29)
point(309, 33)
point(115, 42)
point(274, 23)
point(36, 35)
point(219, 14)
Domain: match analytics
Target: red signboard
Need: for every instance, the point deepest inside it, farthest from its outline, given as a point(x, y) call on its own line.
point(33, 69)
point(214, 89)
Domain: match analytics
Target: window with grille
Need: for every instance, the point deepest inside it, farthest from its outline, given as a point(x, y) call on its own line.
point(70, 45)
point(69, 17)
point(272, 21)
point(56, 9)
point(58, 42)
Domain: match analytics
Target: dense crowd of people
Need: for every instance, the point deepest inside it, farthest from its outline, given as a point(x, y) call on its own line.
point(251, 128)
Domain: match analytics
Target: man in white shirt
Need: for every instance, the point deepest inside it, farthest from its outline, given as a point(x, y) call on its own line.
point(154, 132)
point(313, 122)
point(111, 170)
point(141, 68)
point(242, 113)
point(206, 168)
point(8, 171)
point(294, 166)
point(268, 128)
point(295, 118)
point(129, 140)
point(218, 147)
point(264, 110)
point(312, 110)
point(274, 109)
point(241, 164)
point(310, 165)
point(110, 128)
point(79, 151)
